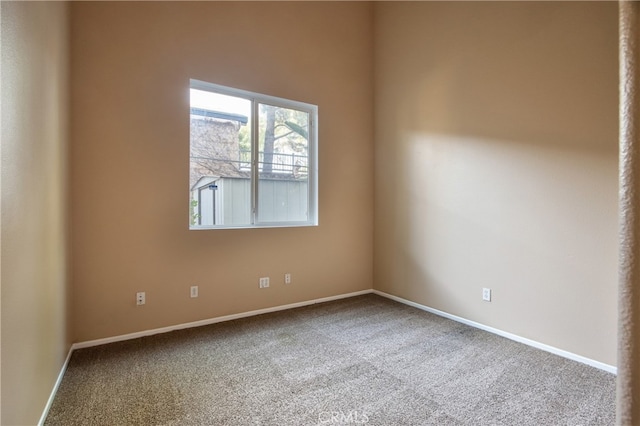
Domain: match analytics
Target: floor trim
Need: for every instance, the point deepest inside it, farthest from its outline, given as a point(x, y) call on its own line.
point(130, 336)
point(528, 342)
point(52, 396)
point(98, 342)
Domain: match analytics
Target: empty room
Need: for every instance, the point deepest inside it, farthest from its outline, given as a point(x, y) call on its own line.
point(316, 213)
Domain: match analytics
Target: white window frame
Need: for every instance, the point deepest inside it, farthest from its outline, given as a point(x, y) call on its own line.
point(256, 99)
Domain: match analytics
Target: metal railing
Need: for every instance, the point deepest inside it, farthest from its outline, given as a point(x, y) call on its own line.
point(280, 163)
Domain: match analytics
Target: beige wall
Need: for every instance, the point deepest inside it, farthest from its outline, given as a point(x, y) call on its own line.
point(496, 165)
point(34, 254)
point(131, 64)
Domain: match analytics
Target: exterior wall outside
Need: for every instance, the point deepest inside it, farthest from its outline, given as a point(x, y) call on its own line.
point(496, 143)
point(35, 279)
point(281, 200)
point(214, 139)
point(131, 64)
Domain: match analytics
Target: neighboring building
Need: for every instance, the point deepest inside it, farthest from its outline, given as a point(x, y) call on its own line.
point(220, 180)
point(215, 148)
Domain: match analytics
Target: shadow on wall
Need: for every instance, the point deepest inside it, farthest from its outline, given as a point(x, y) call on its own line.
point(541, 74)
point(497, 166)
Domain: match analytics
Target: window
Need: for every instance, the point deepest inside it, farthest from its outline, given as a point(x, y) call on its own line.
point(253, 159)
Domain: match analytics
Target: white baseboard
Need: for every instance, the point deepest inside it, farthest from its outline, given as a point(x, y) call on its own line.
point(98, 342)
point(533, 343)
point(47, 407)
point(514, 337)
point(528, 342)
point(130, 336)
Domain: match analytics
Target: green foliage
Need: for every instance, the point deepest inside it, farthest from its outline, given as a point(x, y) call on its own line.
point(291, 131)
point(193, 205)
point(244, 141)
point(295, 127)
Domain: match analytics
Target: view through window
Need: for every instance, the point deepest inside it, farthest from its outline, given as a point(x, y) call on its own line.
point(252, 159)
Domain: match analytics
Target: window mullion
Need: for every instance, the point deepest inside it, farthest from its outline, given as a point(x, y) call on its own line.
point(255, 159)
point(312, 195)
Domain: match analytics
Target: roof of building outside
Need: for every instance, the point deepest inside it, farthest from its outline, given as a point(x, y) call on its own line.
point(221, 115)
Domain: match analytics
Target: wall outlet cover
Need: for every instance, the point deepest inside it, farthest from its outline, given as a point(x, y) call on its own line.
point(486, 294)
point(264, 282)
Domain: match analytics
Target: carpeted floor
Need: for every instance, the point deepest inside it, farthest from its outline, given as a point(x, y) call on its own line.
point(363, 360)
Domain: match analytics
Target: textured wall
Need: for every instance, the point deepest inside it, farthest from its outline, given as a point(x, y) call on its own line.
point(131, 64)
point(34, 205)
point(628, 391)
point(496, 138)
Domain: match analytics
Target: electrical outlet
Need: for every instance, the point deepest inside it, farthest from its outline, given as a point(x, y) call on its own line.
point(264, 282)
point(287, 278)
point(194, 291)
point(141, 298)
point(486, 294)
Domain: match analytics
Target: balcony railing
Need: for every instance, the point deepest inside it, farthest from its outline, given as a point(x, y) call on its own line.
point(291, 164)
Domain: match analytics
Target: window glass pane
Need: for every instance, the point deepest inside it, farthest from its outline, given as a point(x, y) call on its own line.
point(283, 164)
point(220, 163)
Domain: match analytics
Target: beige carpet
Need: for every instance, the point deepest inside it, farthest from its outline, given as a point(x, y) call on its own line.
point(363, 360)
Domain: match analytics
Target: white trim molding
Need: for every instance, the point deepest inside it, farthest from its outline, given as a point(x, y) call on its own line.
point(510, 336)
point(98, 342)
point(130, 336)
point(54, 391)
